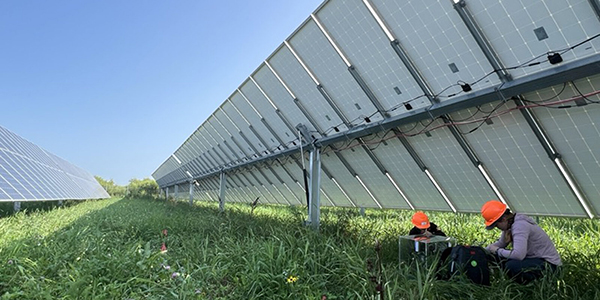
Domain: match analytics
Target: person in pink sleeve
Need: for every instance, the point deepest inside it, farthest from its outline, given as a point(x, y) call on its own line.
point(524, 248)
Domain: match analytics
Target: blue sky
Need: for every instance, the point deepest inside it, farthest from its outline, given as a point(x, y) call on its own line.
point(115, 87)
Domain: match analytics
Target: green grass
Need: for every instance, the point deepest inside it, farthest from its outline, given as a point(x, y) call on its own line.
point(110, 249)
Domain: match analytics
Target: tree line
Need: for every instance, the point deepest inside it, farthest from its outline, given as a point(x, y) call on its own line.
point(137, 188)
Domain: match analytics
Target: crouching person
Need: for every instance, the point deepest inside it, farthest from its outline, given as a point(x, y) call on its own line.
point(423, 226)
point(532, 250)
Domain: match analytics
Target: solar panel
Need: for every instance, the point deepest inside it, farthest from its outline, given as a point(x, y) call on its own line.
point(29, 173)
point(436, 105)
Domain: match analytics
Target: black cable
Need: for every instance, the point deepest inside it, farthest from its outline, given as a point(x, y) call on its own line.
point(482, 78)
point(537, 103)
point(404, 103)
point(541, 103)
point(484, 120)
point(579, 44)
point(446, 88)
point(422, 130)
point(469, 117)
point(581, 94)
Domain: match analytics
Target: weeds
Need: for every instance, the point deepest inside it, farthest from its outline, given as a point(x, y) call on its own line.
point(111, 249)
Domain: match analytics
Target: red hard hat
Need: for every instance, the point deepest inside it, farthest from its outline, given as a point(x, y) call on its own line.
point(420, 220)
point(492, 210)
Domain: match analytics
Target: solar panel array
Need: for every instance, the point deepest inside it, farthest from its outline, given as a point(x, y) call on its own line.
point(432, 105)
point(29, 173)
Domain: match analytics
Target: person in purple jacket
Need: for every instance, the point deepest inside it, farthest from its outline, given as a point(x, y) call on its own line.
point(532, 250)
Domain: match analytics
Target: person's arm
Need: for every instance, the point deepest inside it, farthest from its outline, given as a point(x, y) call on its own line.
point(520, 236)
point(435, 230)
point(414, 231)
point(500, 243)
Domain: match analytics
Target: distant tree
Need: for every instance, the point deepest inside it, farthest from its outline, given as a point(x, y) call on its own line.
point(145, 188)
point(111, 187)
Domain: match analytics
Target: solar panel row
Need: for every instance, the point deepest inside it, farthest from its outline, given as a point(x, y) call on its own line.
point(437, 105)
point(29, 173)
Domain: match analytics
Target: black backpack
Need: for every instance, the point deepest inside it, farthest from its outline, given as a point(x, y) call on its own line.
point(468, 260)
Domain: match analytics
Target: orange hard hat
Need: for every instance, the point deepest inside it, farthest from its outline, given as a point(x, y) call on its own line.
point(492, 210)
point(420, 220)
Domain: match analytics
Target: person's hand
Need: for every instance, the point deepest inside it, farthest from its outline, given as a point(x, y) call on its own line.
point(493, 248)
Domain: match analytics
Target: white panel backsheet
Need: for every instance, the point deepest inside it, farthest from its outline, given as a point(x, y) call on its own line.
point(280, 94)
point(234, 115)
point(210, 147)
point(194, 168)
point(225, 135)
point(338, 198)
point(575, 133)
point(521, 30)
point(275, 185)
point(305, 90)
point(249, 185)
point(237, 193)
point(281, 98)
point(263, 186)
point(438, 42)
point(203, 151)
point(289, 185)
point(378, 184)
point(242, 187)
point(369, 50)
point(218, 144)
point(329, 69)
point(200, 166)
point(408, 176)
point(351, 186)
point(263, 136)
point(184, 153)
point(447, 161)
point(270, 116)
point(518, 163)
point(237, 142)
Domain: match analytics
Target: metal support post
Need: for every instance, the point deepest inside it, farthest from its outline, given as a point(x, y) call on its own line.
point(17, 206)
point(191, 192)
point(176, 192)
point(314, 188)
point(222, 192)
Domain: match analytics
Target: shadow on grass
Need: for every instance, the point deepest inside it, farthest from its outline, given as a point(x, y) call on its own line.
point(7, 208)
point(114, 252)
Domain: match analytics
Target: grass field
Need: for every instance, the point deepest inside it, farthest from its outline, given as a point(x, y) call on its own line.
point(111, 249)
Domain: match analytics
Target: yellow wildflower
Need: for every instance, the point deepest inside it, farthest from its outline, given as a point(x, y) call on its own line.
point(292, 279)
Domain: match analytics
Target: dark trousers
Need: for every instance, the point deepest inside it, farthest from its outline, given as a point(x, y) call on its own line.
point(526, 270)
